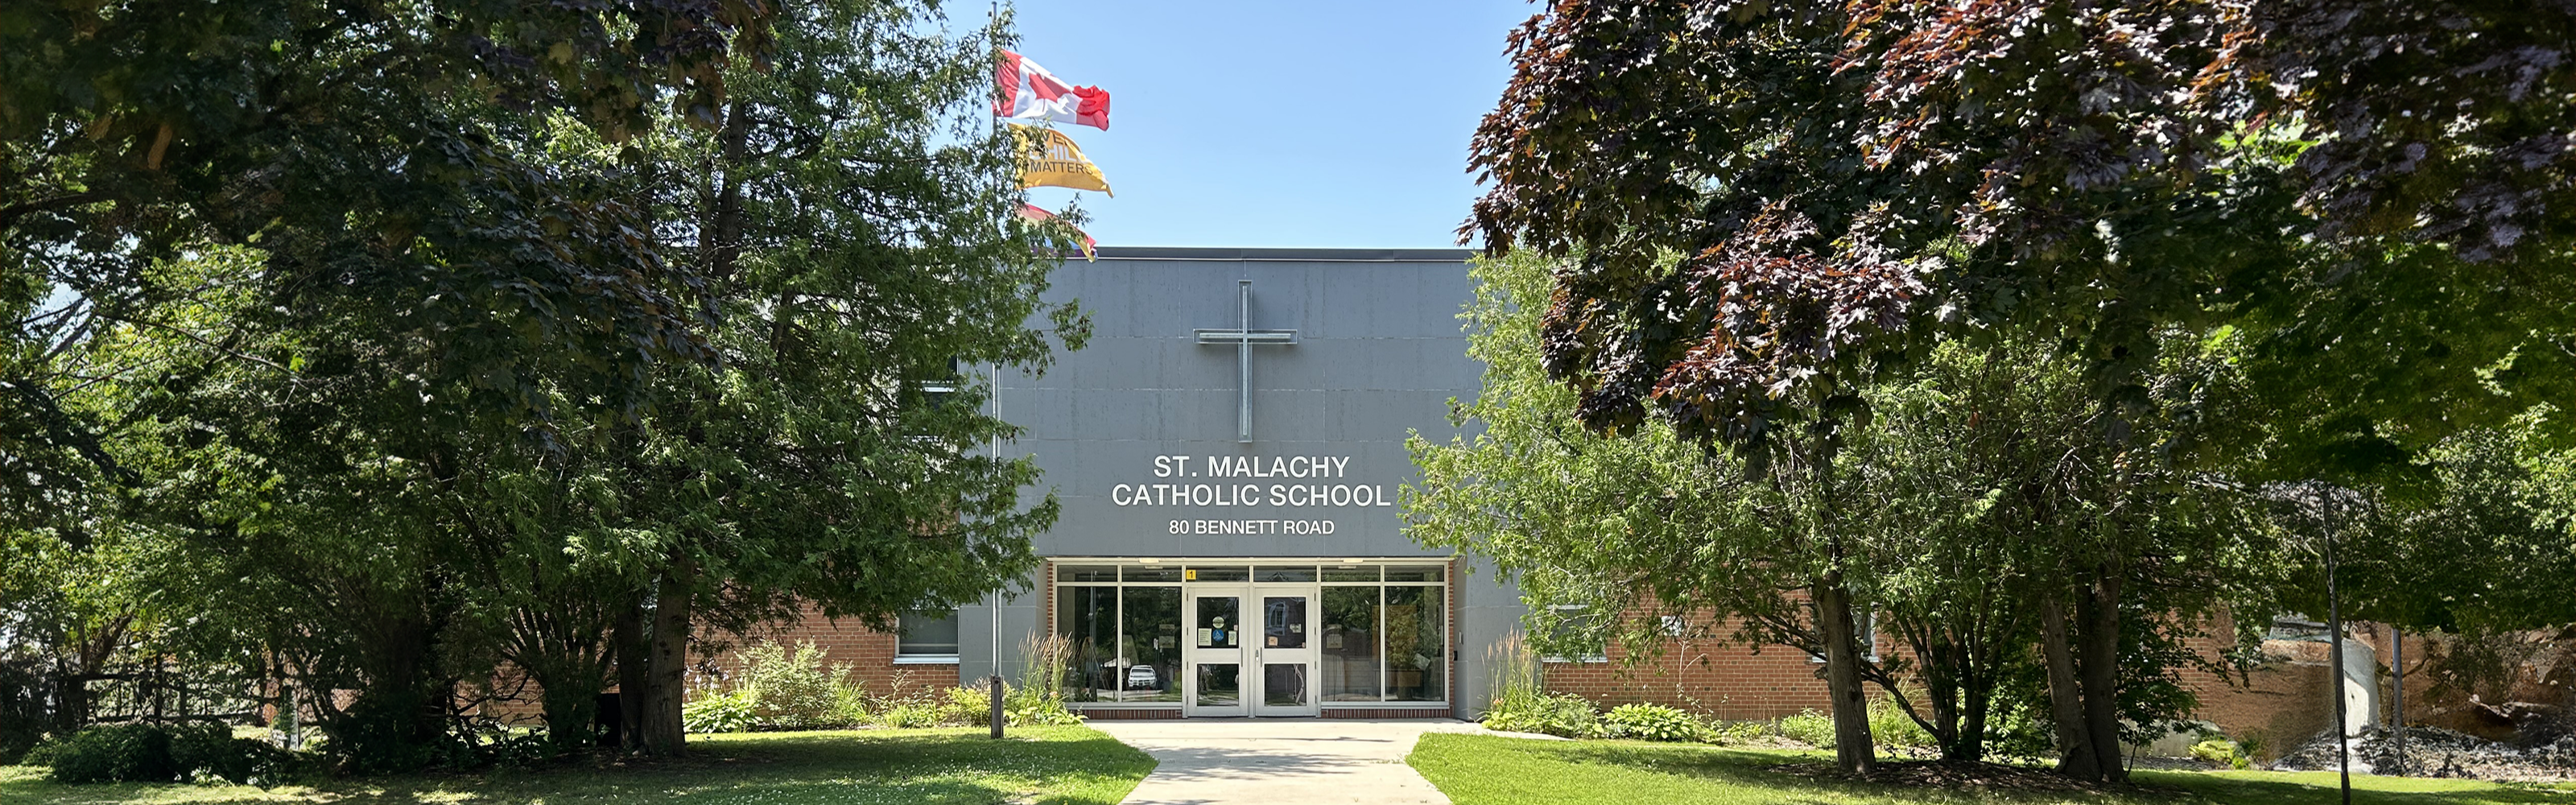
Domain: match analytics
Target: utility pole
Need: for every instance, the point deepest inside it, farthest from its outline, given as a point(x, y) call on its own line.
point(2397, 668)
point(2334, 633)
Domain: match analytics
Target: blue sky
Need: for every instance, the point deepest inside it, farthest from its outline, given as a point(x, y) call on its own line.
point(1319, 124)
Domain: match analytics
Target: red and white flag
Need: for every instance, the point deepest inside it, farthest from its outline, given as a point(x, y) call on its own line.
point(1028, 93)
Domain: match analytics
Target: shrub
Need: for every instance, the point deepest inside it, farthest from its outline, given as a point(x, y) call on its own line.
point(1039, 696)
point(852, 705)
point(964, 705)
point(2251, 744)
point(2223, 752)
point(1890, 726)
point(137, 753)
point(1553, 714)
point(1736, 732)
point(728, 711)
point(1808, 727)
point(1521, 704)
point(904, 716)
point(26, 696)
point(157, 753)
point(1650, 722)
point(792, 691)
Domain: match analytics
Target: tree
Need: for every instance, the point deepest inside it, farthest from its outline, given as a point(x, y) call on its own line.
point(275, 247)
point(853, 217)
point(364, 151)
point(1848, 184)
point(1974, 495)
point(1644, 518)
point(448, 348)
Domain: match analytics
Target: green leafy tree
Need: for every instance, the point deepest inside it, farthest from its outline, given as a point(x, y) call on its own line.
point(853, 217)
point(1975, 504)
point(1847, 184)
point(280, 246)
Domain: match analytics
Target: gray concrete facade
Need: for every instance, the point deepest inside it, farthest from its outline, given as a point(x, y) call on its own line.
point(1141, 439)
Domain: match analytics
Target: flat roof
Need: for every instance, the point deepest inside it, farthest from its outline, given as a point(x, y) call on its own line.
point(1287, 255)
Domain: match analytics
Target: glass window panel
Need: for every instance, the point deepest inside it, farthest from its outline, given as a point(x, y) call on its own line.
point(1298, 573)
point(1219, 622)
point(1153, 573)
point(1413, 573)
point(1350, 661)
point(1417, 652)
point(928, 633)
point(1235, 573)
point(1149, 659)
point(1283, 621)
point(1283, 684)
point(1359, 573)
point(1088, 619)
point(1086, 573)
point(1220, 684)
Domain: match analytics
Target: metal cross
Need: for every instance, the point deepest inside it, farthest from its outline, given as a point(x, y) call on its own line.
point(1243, 337)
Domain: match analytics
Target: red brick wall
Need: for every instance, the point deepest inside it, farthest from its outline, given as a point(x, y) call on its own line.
point(1704, 675)
point(868, 653)
point(2285, 701)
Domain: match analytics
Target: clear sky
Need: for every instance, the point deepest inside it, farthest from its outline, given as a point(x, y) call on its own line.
point(1323, 123)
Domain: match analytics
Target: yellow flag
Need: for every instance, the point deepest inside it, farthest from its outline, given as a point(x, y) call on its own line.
point(1050, 159)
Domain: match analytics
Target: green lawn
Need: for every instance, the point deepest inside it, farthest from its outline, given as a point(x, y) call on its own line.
point(1491, 770)
point(1067, 765)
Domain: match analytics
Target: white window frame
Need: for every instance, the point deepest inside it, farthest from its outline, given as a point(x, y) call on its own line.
point(903, 658)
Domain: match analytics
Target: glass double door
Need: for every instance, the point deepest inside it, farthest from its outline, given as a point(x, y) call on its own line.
point(1250, 651)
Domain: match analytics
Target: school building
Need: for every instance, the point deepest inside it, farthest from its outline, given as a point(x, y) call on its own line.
point(1227, 451)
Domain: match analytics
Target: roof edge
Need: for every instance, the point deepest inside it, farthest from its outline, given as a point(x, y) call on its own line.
point(1294, 255)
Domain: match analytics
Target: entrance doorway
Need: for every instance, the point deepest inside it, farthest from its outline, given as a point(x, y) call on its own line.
point(1162, 637)
point(1250, 651)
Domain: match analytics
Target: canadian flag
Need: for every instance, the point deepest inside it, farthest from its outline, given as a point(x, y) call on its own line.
point(1028, 92)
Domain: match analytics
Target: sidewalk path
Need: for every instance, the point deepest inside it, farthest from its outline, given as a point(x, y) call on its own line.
point(1241, 761)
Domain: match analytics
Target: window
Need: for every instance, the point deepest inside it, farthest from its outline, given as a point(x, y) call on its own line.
point(2298, 627)
point(1385, 634)
point(1868, 637)
point(1124, 640)
point(1573, 633)
point(928, 637)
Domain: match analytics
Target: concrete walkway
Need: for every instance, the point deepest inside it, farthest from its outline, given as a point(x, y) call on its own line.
point(1240, 761)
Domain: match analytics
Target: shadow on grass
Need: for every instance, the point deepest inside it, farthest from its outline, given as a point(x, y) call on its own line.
point(2319, 788)
point(1701, 773)
point(1072, 766)
point(1804, 776)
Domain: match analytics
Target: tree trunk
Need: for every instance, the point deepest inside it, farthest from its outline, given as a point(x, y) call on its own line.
point(1854, 752)
point(634, 661)
point(1943, 664)
point(2065, 697)
point(668, 664)
point(2100, 671)
point(73, 691)
point(722, 221)
point(1975, 697)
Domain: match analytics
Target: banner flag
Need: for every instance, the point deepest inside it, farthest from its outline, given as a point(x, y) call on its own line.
point(1050, 159)
point(1026, 92)
point(1039, 215)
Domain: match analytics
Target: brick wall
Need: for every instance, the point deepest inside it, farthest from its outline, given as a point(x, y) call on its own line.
point(868, 653)
point(1705, 675)
point(2285, 701)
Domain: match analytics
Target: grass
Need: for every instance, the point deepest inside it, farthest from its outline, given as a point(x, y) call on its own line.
point(1056, 765)
point(1492, 770)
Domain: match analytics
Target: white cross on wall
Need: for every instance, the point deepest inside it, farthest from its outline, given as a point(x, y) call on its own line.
point(1243, 337)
